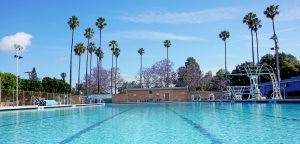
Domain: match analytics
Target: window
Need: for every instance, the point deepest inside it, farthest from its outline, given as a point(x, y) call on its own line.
point(150, 92)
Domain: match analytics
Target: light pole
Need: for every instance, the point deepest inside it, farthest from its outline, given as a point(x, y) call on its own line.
point(17, 48)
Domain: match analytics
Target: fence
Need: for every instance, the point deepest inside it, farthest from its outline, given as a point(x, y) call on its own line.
point(8, 97)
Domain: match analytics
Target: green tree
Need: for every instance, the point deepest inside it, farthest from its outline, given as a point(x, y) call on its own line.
point(99, 55)
point(8, 81)
point(221, 74)
point(224, 35)
point(167, 44)
point(113, 45)
point(89, 33)
point(73, 24)
point(117, 54)
point(33, 74)
point(141, 51)
point(239, 80)
point(63, 76)
point(127, 85)
point(249, 21)
point(289, 64)
point(79, 50)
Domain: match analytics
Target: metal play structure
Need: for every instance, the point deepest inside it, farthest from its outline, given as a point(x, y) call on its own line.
point(253, 73)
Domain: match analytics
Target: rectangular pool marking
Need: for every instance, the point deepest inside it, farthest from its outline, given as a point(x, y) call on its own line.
point(198, 127)
point(266, 115)
point(87, 129)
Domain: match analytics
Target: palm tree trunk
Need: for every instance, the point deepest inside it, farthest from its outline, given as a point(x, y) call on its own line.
point(90, 78)
point(99, 63)
point(116, 75)
point(273, 26)
point(225, 57)
point(167, 67)
point(79, 75)
point(98, 79)
point(86, 69)
point(71, 65)
point(111, 73)
point(276, 54)
point(253, 62)
point(141, 71)
point(257, 52)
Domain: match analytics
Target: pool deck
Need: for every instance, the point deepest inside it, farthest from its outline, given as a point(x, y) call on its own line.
point(271, 101)
point(31, 107)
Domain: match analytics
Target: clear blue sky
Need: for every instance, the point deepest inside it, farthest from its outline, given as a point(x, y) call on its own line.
point(192, 26)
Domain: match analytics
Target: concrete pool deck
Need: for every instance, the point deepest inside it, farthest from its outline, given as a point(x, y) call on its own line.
point(31, 107)
point(257, 101)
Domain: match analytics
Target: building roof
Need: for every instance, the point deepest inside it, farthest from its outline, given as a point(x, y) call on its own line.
point(149, 89)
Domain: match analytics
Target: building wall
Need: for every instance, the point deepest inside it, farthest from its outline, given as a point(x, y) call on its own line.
point(153, 95)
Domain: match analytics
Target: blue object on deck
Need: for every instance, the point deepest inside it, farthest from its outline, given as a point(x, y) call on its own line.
point(51, 102)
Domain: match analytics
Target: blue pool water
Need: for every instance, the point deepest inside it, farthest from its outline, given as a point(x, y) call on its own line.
point(182, 123)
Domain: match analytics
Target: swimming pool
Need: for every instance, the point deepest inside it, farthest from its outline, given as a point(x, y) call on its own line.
point(155, 123)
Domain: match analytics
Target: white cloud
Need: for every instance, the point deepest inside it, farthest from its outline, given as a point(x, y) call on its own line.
point(150, 35)
point(20, 38)
point(197, 17)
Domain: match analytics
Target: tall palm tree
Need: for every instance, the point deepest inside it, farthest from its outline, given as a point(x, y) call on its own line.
point(89, 33)
point(141, 51)
point(116, 53)
point(73, 24)
point(100, 24)
point(90, 49)
point(167, 44)
point(271, 12)
point(113, 45)
point(248, 20)
point(99, 55)
point(79, 50)
point(224, 35)
point(256, 26)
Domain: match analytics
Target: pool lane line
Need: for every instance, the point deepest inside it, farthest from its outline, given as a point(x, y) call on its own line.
point(38, 119)
point(265, 115)
point(198, 127)
point(87, 129)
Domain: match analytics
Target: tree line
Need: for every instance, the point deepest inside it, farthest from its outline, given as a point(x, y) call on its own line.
point(33, 83)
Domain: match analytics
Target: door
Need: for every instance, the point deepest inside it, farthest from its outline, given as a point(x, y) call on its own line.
point(167, 97)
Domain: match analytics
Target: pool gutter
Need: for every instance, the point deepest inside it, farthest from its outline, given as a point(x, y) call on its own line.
point(15, 108)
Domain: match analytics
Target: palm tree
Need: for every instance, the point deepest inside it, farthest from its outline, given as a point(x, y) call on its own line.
point(90, 49)
point(271, 12)
point(256, 26)
point(89, 33)
point(113, 45)
point(116, 53)
point(79, 50)
point(100, 24)
point(248, 20)
point(141, 51)
point(167, 44)
point(99, 55)
point(224, 35)
point(73, 24)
